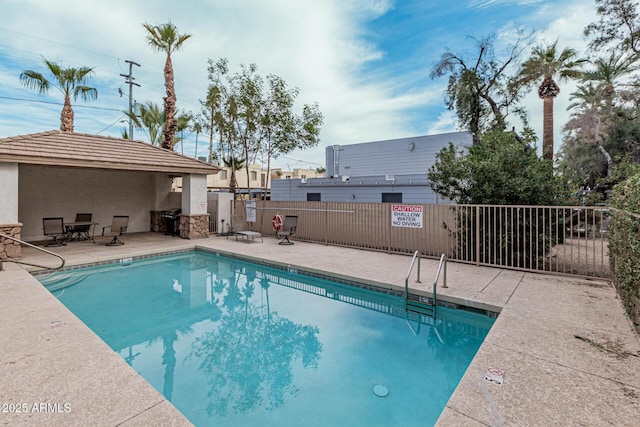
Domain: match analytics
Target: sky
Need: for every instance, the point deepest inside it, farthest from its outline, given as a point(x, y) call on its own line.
point(367, 63)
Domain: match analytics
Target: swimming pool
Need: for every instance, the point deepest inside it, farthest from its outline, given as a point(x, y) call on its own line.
point(230, 342)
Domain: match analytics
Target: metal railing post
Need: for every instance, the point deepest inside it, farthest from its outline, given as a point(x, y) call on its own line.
point(477, 235)
point(35, 247)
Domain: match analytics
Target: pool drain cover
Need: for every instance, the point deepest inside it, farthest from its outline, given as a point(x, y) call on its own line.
point(380, 390)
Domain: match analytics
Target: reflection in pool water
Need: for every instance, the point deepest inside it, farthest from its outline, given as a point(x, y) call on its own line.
point(234, 343)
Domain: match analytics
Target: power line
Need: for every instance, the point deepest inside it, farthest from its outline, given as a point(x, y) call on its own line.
point(58, 103)
point(57, 42)
point(99, 132)
point(301, 161)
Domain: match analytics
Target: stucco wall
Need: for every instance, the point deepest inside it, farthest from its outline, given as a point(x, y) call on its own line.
point(404, 156)
point(414, 189)
point(52, 191)
point(219, 205)
point(8, 193)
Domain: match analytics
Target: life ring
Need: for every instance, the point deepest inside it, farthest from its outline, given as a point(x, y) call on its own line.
point(276, 222)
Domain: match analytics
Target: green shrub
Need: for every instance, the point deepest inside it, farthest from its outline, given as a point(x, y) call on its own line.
point(624, 243)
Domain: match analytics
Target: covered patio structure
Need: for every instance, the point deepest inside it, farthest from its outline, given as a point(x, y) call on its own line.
point(60, 174)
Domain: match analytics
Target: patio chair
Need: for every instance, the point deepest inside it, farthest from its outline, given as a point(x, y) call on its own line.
point(236, 224)
point(288, 229)
point(117, 228)
point(80, 231)
point(54, 227)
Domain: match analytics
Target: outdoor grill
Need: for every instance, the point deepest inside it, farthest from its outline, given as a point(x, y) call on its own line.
point(171, 219)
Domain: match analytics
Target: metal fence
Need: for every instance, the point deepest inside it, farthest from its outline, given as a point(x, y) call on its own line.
point(213, 222)
point(560, 239)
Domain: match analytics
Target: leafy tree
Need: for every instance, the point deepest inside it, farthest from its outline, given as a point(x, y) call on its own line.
point(618, 27)
point(220, 108)
point(581, 165)
point(281, 130)
point(590, 123)
point(597, 112)
point(250, 100)
point(547, 63)
point(253, 118)
point(69, 81)
point(499, 170)
point(165, 38)
point(481, 88)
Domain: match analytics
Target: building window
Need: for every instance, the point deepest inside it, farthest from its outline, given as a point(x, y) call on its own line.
point(391, 197)
point(303, 176)
point(254, 176)
point(263, 178)
point(313, 197)
point(222, 174)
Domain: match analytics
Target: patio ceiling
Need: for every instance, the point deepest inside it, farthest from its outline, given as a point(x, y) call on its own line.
point(79, 150)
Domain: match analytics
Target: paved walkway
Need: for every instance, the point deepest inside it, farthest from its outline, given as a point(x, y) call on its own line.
point(568, 352)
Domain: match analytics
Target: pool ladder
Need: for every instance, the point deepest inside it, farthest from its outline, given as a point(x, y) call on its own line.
point(35, 247)
point(418, 306)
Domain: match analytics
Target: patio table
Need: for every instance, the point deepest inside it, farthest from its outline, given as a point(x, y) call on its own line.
point(88, 233)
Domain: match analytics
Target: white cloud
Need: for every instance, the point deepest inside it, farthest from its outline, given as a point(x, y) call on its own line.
point(322, 47)
point(482, 4)
point(446, 122)
point(316, 46)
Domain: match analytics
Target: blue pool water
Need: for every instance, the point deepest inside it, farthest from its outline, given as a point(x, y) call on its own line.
point(232, 343)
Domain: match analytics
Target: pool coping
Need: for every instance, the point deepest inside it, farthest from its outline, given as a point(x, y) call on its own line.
point(381, 287)
point(559, 367)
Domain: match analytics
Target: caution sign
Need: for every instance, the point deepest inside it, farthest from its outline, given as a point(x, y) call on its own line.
point(406, 216)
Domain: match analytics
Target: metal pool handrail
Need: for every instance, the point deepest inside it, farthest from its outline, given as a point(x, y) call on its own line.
point(443, 262)
point(35, 247)
point(416, 254)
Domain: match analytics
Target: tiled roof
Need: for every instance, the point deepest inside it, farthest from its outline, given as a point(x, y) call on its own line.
point(99, 152)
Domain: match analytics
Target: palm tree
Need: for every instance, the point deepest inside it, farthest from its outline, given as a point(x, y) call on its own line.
point(165, 38)
point(151, 119)
point(591, 118)
point(235, 164)
point(69, 81)
point(183, 122)
point(197, 127)
point(608, 71)
point(212, 116)
point(545, 63)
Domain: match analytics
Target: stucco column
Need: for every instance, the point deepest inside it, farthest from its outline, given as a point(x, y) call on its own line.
point(9, 224)
point(194, 221)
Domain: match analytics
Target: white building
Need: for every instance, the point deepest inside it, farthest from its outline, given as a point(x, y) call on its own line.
point(373, 172)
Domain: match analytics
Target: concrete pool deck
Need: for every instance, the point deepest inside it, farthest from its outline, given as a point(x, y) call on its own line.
point(568, 352)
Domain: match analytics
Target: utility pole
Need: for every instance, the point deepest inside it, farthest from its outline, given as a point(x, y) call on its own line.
point(129, 80)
